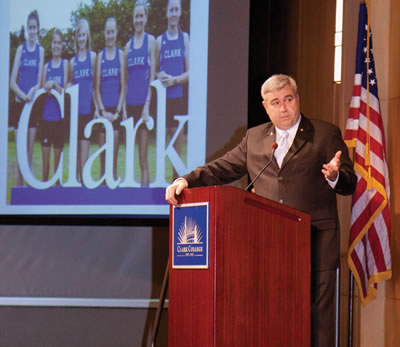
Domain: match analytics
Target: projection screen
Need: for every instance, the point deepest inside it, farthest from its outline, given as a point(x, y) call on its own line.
point(111, 177)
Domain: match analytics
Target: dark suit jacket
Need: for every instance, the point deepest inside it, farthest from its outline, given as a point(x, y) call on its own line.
point(299, 183)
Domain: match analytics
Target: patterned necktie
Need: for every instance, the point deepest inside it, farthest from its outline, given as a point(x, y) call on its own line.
point(283, 147)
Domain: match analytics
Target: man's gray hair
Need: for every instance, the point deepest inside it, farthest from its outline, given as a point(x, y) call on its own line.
point(277, 82)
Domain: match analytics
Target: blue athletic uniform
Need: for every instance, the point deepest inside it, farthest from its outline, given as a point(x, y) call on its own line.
point(52, 125)
point(28, 68)
point(110, 80)
point(83, 76)
point(172, 61)
point(138, 73)
point(51, 110)
point(27, 78)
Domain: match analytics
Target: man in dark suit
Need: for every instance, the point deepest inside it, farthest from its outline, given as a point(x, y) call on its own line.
point(309, 167)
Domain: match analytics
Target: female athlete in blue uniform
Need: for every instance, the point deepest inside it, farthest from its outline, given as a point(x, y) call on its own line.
point(25, 81)
point(140, 64)
point(81, 68)
point(173, 58)
point(52, 127)
point(110, 88)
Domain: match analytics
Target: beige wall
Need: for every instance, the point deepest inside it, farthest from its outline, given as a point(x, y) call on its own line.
point(380, 320)
point(376, 325)
point(392, 103)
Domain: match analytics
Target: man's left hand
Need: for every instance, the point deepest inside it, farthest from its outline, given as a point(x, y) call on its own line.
point(331, 169)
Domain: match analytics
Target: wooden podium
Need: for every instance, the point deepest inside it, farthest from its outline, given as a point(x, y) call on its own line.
point(256, 289)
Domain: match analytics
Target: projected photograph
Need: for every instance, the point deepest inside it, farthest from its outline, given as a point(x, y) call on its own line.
point(106, 106)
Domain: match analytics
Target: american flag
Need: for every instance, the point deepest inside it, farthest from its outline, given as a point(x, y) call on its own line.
point(369, 253)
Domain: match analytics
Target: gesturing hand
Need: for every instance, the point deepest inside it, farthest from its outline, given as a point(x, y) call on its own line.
point(331, 169)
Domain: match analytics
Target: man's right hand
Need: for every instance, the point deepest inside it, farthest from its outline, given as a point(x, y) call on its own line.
point(174, 190)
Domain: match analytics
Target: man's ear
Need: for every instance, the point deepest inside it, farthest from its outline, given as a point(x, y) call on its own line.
point(265, 105)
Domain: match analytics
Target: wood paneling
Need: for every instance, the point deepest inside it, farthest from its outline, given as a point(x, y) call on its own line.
point(320, 99)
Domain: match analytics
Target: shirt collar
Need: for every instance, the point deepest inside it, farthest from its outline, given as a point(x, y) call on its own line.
point(292, 131)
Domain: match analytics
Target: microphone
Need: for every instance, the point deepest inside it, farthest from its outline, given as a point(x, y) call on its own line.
point(274, 147)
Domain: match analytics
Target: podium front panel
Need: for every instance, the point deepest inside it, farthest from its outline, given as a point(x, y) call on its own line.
point(256, 291)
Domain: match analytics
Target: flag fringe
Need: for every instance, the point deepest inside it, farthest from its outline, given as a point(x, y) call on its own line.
point(351, 143)
point(380, 276)
point(374, 182)
point(375, 279)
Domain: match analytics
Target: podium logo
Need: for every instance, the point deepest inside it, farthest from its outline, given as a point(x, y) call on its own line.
point(189, 232)
point(189, 238)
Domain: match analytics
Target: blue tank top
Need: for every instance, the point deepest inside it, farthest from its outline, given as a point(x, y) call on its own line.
point(28, 68)
point(138, 73)
point(172, 61)
point(110, 80)
point(83, 76)
point(51, 110)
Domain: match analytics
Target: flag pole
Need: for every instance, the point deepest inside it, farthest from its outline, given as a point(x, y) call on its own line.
point(351, 301)
point(368, 142)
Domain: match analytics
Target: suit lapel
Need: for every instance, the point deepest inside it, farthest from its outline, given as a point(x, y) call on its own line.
point(302, 136)
point(269, 139)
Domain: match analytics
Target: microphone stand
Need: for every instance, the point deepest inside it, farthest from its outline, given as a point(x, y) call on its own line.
point(274, 147)
point(157, 318)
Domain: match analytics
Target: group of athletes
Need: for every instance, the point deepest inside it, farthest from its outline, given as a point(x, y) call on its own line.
point(114, 84)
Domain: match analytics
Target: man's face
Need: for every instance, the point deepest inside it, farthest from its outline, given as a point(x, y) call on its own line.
point(283, 107)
